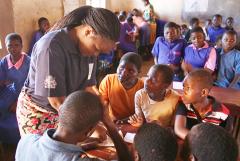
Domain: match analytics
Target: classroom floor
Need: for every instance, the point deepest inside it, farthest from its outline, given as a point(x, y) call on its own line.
point(145, 67)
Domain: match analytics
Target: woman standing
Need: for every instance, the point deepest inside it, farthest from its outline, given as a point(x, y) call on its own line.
point(64, 61)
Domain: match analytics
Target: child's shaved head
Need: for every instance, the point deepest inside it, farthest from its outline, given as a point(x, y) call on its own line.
point(202, 77)
point(81, 110)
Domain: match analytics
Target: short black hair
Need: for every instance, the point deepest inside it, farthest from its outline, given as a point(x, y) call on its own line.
point(134, 58)
point(41, 19)
point(202, 76)
point(165, 71)
point(197, 29)
point(208, 142)
point(121, 18)
point(155, 143)
point(217, 16)
point(129, 18)
point(170, 25)
point(80, 110)
point(13, 36)
point(193, 21)
point(231, 32)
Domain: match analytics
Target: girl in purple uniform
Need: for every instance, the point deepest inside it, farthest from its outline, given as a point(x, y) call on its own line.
point(13, 72)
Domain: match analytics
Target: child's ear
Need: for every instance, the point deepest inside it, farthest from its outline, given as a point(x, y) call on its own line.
point(136, 156)
point(205, 92)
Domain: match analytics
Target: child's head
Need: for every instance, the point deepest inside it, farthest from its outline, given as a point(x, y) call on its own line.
point(229, 22)
point(13, 42)
point(196, 86)
point(136, 12)
point(146, 2)
point(184, 28)
point(218, 43)
point(217, 20)
point(158, 79)
point(197, 37)
point(208, 23)
point(128, 69)
point(43, 24)
point(153, 143)
point(80, 112)
point(170, 31)
point(121, 18)
point(194, 22)
point(129, 18)
point(229, 40)
point(178, 31)
point(208, 142)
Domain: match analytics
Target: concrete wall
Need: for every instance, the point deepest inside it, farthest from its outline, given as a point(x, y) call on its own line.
point(27, 12)
point(165, 9)
point(21, 15)
point(7, 23)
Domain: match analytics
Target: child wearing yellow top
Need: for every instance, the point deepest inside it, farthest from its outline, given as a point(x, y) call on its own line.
point(118, 89)
point(155, 102)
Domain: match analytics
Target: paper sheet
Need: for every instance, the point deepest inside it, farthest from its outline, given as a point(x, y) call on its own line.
point(177, 85)
point(129, 137)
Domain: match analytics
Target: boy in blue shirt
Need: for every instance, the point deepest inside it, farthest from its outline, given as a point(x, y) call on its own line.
point(229, 64)
point(215, 30)
point(78, 116)
point(169, 50)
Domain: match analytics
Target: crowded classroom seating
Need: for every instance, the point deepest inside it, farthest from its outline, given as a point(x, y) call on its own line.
point(124, 84)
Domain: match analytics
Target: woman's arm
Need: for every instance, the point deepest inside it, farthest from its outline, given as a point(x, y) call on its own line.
point(55, 102)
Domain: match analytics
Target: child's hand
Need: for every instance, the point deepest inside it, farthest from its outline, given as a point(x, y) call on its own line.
point(186, 67)
point(135, 120)
point(100, 132)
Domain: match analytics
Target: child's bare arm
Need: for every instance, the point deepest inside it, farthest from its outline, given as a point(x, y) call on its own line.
point(122, 149)
point(180, 126)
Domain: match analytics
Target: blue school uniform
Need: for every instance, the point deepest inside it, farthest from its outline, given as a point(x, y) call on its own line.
point(197, 57)
point(168, 52)
point(229, 68)
point(214, 33)
point(8, 95)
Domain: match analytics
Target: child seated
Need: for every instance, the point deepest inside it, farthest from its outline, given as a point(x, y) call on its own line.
point(43, 25)
point(199, 54)
point(229, 23)
point(208, 142)
point(169, 50)
point(154, 143)
point(156, 103)
point(229, 63)
point(198, 106)
point(118, 90)
point(78, 116)
point(215, 30)
point(194, 22)
point(13, 72)
point(128, 35)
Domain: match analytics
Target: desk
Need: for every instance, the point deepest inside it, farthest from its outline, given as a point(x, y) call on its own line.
point(228, 96)
point(109, 153)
